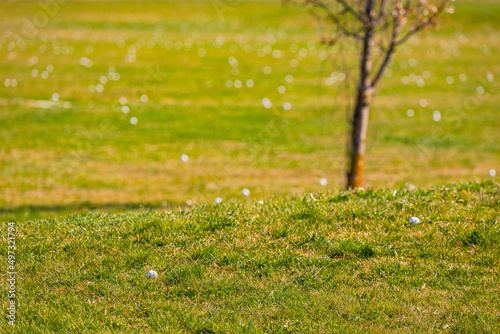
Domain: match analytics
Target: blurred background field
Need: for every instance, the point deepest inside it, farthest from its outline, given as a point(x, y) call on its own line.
point(99, 102)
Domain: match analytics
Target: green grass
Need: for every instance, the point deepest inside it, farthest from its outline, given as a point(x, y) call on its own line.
point(83, 153)
point(98, 201)
point(337, 262)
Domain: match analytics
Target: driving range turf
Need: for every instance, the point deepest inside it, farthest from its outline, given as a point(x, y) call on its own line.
point(82, 152)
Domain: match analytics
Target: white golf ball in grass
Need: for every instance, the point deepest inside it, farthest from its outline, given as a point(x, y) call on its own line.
point(218, 200)
point(152, 274)
point(323, 182)
point(245, 192)
point(493, 173)
point(266, 103)
point(184, 157)
point(414, 220)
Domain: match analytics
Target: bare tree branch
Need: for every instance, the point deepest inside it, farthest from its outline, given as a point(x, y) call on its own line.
point(431, 20)
point(335, 18)
point(381, 11)
point(385, 62)
point(350, 9)
point(396, 28)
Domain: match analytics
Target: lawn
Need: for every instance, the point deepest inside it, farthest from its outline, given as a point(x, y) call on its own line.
point(122, 122)
point(332, 262)
point(68, 146)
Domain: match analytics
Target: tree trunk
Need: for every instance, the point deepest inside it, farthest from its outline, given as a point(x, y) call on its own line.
point(359, 129)
point(359, 122)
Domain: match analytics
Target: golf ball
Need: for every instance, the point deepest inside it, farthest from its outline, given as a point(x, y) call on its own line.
point(245, 192)
point(414, 220)
point(152, 274)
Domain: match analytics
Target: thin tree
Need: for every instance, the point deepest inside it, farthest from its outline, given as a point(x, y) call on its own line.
point(377, 28)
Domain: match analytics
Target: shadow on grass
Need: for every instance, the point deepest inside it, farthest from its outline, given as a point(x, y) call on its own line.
point(28, 212)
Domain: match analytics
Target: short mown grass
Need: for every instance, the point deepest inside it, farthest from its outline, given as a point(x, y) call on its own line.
point(318, 263)
point(82, 152)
